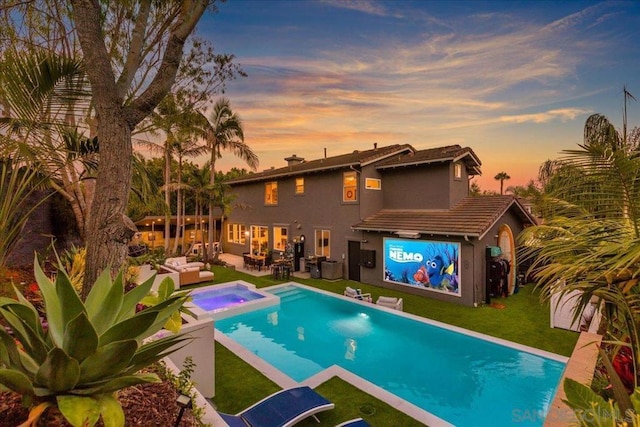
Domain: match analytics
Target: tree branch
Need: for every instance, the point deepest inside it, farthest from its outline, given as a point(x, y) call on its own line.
point(161, 84)
point(134, 55)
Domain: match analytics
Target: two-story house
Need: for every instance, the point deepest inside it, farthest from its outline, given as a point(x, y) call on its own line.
point(394, 217)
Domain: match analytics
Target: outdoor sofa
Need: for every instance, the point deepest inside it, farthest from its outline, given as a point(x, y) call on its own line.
point(189, 272)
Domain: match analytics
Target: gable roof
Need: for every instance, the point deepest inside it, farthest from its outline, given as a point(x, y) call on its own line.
point(472, 217)
point(356, 158)
point(452, 153)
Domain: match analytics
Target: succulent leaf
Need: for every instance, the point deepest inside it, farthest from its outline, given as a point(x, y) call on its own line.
point(68, 297)
point(130, 329)
point(31, 342)
point(16, 381)
point(98, 294)
point(132, 298)
point(59, 372)
point(119, 355)
point(52, 305)
point(117, 383)
point(110, 307)
point(80, 338)
point(111, 411)
point(79, 411)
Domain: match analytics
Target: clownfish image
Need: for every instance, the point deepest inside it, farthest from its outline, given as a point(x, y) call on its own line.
point(421, 276)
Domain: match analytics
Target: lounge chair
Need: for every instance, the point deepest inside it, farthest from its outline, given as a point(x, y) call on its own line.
point(391, 302)
point(356, 422)
point(357, 294)
point(281, 409)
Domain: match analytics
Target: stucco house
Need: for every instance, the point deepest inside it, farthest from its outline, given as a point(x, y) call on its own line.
point(391, 216)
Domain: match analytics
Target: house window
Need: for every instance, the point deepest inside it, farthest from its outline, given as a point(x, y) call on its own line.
point(457, 171)
point(299, 185)
point(271, 193)
point(322, 240)
point(259, 239)
point(372, 184)
point(236, 233)
point(350, 187)
point(280, 238)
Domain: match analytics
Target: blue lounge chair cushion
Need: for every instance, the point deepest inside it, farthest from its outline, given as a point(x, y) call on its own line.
point(281, 409)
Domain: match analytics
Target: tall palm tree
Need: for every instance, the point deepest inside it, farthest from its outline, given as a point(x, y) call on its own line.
point(197, 182)
point(502, 177)
point(591, 239)
point(183, 148)
point(223, 130)
point(179, 124)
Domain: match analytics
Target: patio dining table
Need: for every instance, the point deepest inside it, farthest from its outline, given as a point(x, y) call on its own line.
point(257, 260)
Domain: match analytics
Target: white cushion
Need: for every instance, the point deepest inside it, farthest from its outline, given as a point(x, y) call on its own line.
point(350, 291)
point(387, 300)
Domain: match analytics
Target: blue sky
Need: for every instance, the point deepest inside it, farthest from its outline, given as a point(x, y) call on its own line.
point(515, 81)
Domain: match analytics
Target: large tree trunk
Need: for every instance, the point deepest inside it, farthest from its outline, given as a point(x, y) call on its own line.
point(108, 228)
point(111, 229)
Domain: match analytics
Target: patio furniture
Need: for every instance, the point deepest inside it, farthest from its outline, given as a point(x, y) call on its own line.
point(283, 408)
point(356, 422)
point(178, 264)
point(391, 302)
point(195, 275)
point(281, 270)
point(357, 294)
point(189, 272)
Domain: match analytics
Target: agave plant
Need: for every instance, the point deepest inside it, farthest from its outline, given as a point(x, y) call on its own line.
point(88, 350)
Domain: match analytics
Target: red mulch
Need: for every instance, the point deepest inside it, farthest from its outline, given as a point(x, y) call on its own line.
point(144, 405)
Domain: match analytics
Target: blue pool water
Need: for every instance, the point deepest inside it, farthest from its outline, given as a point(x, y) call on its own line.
point(462, 379)
point(218, 298)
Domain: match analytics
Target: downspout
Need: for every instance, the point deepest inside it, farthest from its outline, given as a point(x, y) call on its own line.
point(475, 288)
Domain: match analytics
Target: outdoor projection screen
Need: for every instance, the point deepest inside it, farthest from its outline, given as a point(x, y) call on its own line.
point(427, 264)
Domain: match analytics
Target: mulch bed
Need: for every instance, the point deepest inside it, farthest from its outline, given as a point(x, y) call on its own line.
point(144, 405)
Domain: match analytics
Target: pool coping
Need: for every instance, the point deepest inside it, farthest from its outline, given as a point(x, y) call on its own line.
point(408, 408)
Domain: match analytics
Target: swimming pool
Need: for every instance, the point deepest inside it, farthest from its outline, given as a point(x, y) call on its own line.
point(220, 301)
point(460, 378)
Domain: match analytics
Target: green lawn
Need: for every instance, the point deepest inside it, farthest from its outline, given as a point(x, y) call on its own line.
point(523, 320)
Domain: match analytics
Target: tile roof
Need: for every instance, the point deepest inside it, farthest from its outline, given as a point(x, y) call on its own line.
point(431, 155)
point(335, 162)
point(472, 216)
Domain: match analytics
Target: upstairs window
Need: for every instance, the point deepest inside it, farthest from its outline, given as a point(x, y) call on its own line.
point(271, 193)
point(457, 171)
point(299, 185)
point(350, 187)
point(372, 184)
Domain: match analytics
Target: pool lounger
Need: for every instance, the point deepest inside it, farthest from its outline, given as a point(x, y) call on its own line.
point(357, 422)
point(283, 408)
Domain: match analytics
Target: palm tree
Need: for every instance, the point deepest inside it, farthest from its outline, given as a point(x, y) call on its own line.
point(197, 182)
point(223, 130)
point(178, 122)
point(183, 148)
point(502, 177)
point(591, 239)
point(46, 94)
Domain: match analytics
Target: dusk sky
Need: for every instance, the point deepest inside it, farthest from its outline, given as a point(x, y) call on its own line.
point(515, 81)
